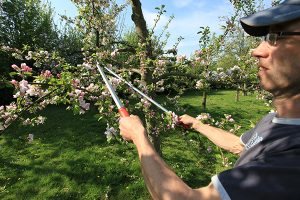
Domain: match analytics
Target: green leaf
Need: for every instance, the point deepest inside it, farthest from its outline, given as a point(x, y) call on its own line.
point(13, 74)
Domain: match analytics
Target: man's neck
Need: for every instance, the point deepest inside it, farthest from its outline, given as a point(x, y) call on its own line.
point(288, 107)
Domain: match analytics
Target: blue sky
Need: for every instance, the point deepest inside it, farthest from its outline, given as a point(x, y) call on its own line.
point(190, 15)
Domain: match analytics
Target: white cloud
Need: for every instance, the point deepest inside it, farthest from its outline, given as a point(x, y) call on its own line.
point(181, 3)
point(188, 24)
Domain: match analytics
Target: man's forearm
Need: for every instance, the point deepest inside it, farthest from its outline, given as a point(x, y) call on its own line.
point(162, 182)
point(221, 138)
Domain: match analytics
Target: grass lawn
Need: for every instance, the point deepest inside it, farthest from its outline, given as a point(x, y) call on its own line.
point(69, 157)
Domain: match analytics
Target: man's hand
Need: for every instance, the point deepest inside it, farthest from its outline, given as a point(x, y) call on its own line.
point(131, 128)
point(190, 121)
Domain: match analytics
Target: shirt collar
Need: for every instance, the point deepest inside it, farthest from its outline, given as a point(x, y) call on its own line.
point(288, 121)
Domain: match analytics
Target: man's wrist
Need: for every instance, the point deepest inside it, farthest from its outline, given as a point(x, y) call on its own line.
point(196, 125)
point(140, 135)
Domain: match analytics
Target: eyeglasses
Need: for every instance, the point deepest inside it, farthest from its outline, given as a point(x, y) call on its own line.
point(272, 38)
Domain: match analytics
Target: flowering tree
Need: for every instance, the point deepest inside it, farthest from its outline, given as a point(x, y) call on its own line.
point(57, 81)
point(205, 58)
point(23, 23)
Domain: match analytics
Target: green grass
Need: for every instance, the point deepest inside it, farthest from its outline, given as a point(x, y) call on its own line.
point(246, 111)
point(69, 157)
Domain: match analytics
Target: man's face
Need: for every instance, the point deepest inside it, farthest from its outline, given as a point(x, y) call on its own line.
point(279, 64)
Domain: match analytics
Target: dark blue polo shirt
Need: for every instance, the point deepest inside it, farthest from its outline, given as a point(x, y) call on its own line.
point(269, 166)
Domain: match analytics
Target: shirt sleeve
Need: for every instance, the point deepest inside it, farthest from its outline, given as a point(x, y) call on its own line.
point(219, 187)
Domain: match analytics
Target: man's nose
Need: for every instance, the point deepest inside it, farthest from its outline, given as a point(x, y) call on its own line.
point(262, 50)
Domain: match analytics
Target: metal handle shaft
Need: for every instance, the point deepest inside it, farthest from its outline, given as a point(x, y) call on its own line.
point(185, 126)
point(122, 110)
point(137, 90)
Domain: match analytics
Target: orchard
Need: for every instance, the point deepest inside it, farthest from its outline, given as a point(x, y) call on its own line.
point(61, 70)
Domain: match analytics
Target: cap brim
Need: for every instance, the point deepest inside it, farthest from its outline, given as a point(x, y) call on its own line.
point(259, 23)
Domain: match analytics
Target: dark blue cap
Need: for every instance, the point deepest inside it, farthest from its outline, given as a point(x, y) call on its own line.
point(258, 24)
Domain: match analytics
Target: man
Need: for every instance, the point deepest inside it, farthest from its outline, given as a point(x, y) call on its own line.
point(269, 164)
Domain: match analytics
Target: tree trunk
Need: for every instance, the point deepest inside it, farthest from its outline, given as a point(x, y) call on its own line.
point(141, 25)
point(237, 96)
point(146, 73)
point(245, 93)
point(204, 97)
point(97, 38)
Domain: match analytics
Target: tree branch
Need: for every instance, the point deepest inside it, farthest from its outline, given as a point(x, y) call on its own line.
point(166, 75)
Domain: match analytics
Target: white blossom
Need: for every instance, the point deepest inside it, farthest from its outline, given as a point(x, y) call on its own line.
point(30, 138)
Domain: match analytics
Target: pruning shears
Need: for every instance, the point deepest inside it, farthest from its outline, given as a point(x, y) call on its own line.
point(122, 110)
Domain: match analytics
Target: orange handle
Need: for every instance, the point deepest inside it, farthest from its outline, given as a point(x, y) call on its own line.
point(123, 112)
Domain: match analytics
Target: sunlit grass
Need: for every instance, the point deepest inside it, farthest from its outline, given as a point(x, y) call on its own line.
point(69, 157)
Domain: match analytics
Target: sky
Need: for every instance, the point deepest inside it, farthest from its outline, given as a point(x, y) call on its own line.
point(189, 15)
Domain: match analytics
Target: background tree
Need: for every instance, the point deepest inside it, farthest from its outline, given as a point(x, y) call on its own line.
point(23, 23)
point(59, 80)
point(30, 23)
point(27, 26)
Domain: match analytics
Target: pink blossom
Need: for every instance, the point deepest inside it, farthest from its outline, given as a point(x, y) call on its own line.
point(161, 63)
point(199, 84)
point(175, 118)
point(71, 94)
point(83, 105)
point(92, 87)
point(86, 106)
point(32, 90)
point(47, 74)
point(23, 86)
point(2, 127)
point(198, 59)
point(198, 53)
point(11, 107)
point(79, 93)
point(180, 58)
point(75, 82)
point(8, 120)
point(25, 68)
point(15, 67)
point(115, 81)
point(110, 132)
point(14, 82)
point(145, 103)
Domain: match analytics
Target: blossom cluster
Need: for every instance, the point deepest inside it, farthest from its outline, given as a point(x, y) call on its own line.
point(25, 89)
point(7, 115)
point(34, 121)
point(110, 132)
point(171, 118)
point(23, 68)
point(225, 123)
point(180, 58)
point(78, 95)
